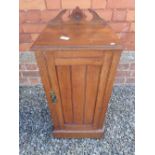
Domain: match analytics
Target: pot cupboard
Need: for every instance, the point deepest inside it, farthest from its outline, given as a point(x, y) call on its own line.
point(77, 59)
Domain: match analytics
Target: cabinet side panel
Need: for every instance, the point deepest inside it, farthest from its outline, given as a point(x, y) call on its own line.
point(91, 92)
point(47, 87)
point(109, 85)
point(64, 80)
point(78, 90)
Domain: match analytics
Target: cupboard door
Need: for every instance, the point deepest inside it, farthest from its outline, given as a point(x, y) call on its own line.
point(79, 84)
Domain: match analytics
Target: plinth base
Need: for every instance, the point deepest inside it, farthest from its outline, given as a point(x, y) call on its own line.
point(78, 133)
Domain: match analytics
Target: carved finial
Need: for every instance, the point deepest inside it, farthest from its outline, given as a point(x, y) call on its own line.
point(77, 15)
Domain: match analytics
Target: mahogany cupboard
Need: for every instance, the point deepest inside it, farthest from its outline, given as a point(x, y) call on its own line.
point(77, 59)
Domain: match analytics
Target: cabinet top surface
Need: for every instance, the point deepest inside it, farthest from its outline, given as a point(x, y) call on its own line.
point(77, 33)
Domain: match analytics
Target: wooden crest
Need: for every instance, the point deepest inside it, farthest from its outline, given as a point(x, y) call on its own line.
point(77, 16)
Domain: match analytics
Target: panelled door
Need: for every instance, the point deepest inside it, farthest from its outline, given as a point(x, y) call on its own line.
point(78, 81)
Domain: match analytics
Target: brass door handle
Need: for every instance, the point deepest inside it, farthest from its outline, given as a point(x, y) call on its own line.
point(53, 97)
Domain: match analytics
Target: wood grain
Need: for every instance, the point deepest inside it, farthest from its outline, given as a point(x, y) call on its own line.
point(63, 73)
point(103, 79)
point(76, 54)
point(78, 88)
point(92, 81)
point(78, 61)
